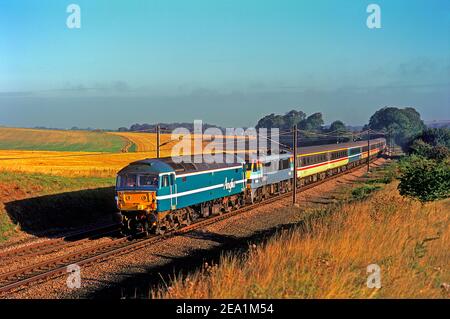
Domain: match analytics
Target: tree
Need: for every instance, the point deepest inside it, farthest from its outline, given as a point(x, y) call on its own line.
point(433, 143)
point(313, 122)
point(283, 122)
point(404, 124)
point(424, 179)
point(270, 121)
point(294, 118)
point(438, 152)
point(338, 126)
point(436, 136)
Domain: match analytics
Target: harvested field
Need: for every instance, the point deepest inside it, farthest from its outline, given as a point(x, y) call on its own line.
point(89, 164)
point(146, 142)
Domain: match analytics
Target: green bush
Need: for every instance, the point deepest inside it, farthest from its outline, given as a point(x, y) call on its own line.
point(424, 179)
point(438, 152)
point(364, 191)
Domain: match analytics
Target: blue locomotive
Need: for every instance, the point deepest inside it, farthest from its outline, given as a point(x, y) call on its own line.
point(170, 192)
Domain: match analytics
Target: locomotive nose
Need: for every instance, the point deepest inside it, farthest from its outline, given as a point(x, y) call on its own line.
point(136, 201)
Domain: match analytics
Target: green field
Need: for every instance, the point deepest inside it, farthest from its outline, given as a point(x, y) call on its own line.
point(59, 140)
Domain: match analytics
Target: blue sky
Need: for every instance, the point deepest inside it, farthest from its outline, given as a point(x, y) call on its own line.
point(227, 62)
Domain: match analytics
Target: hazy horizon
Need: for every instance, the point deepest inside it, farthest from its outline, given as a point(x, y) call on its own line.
point(228, 63)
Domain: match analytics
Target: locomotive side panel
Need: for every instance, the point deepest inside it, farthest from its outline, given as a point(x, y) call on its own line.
point(196, 188)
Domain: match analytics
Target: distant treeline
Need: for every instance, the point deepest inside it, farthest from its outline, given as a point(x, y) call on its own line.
point(151, 128)
point(394, 118)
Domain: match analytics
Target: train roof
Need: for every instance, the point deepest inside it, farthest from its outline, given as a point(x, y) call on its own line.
point(180, 165)
point(334, 147)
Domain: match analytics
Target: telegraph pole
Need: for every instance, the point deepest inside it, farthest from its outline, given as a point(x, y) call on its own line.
point(388, 143)
point(294, 142)
point(368, 150)
point(158, 141)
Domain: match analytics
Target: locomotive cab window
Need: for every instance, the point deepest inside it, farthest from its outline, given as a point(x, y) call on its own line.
point(148, 180)
point(127, 180)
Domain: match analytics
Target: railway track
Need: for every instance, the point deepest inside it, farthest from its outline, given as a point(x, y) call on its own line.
point(58, 265)
point(49, 246)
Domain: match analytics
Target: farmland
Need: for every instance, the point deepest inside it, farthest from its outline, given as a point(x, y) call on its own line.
point(82, 164)
point(59, 140)
point(80, 153)
point(146, 142)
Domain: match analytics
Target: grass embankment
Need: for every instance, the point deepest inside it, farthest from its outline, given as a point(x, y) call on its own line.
point(328, 255)
point(59, 140)
point(38, 203)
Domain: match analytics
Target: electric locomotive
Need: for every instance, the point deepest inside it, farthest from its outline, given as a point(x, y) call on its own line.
point(166, 193)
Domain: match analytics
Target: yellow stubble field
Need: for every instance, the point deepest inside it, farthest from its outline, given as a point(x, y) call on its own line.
point(91, 164)
point(64, 153)
point(146, 142)
point(75, 164)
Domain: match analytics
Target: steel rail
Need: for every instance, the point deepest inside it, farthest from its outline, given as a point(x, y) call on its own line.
point(53, 244)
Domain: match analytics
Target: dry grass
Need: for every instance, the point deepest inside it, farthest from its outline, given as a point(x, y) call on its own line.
point(328, 256)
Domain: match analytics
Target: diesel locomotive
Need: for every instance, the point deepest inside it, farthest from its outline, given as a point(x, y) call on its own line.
point(157, 195)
